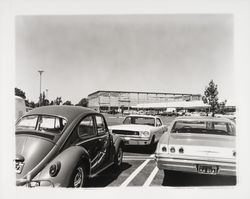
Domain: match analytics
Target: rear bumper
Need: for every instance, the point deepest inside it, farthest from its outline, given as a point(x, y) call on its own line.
point(191, 165)
point(36, 183)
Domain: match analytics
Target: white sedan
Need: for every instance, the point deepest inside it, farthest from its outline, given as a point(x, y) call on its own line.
point(140, 129)
point(204, 145)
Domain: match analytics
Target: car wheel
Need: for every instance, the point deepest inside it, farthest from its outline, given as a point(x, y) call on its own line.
point(118, 157)
point(79, 176)
point(152, 142)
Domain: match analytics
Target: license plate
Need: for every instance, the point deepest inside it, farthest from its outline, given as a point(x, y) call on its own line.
point(207, 169)
point(126, 142)
point(19, 167)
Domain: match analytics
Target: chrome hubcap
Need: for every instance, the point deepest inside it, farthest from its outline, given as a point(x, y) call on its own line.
point(78, 180)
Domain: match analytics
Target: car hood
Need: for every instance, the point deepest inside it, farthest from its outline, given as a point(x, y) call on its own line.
point(203, 145)
point(30, 150)
point(131, 127)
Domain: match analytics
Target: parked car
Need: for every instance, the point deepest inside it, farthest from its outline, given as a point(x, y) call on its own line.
point(140, 129)
point(113, 111)
point(20, 107)
point(229, 116)
point(204, 145)
point(63, 146)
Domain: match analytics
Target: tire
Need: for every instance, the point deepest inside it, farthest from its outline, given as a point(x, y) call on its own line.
point(118, 157)
point(79, 176)
point(152, 141)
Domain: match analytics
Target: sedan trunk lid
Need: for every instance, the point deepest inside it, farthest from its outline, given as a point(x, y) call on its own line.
point(203, 145)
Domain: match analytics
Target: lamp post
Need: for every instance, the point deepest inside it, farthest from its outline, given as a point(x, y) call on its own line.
point(40, 95)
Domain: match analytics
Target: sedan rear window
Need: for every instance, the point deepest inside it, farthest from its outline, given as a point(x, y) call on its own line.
point(204, 127)
point(42, 123)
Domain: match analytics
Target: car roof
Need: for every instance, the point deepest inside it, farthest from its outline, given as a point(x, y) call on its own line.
point(204, 118)
point(65, 111)
point(138, 115)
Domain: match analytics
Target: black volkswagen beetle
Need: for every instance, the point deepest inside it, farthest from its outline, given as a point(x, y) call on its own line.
point(63, 146)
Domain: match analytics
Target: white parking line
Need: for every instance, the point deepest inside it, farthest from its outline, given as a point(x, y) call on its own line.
point(131, 177)
point(151, 177)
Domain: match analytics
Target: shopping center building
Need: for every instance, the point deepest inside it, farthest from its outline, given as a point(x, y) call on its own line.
point(104, 100)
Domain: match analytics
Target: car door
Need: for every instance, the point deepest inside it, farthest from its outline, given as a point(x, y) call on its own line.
point(159, 128)
point(88, 139)
point(103, 142)
point(85, 135)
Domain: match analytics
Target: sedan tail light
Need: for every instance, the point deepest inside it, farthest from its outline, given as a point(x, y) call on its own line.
point(164, 149)
point(172, 150)
point(181, 150)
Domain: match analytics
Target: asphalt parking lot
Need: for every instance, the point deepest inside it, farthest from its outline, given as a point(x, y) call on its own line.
point(139, 169)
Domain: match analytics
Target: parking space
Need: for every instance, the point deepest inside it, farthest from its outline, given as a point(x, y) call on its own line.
point(144, 173)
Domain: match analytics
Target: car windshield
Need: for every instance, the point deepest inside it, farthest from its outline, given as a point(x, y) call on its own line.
point(139, 120)
point(204, 127)
point(43, 123)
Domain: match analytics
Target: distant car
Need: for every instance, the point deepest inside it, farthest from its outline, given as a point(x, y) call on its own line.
point(204, 145)
point(113, 111)
point(231, 117)
point(140, 129)
point(20, 107)
point(63, 146)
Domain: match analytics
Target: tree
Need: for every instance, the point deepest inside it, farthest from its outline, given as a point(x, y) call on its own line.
point(58, 101)
point(20, 93)
point(222, 107)
point(44, 101)
point(32, 104)
point(83, 102)
point(211, 97)
point(27, 103)
point(67, 103)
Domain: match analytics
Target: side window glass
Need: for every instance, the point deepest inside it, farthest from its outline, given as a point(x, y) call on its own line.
point(100, 124)
point(158, 122)
point(86, 127)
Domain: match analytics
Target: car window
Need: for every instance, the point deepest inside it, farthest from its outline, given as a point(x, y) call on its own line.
point(231, 129)
point(28, 122)
point(140, 120)
point(51, 124)
point(203, 127)
point(158, 122)
point(43, 123)
point(86, 127)
point(100, 124)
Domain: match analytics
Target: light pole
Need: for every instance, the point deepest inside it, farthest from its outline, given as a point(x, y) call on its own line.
point(40, 73)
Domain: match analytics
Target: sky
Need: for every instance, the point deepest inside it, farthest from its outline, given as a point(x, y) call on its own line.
point(81, 54)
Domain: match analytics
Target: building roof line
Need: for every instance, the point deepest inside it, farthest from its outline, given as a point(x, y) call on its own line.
point(141, 92)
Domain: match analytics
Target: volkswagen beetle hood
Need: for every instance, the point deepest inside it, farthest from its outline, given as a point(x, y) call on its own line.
point(30, 150)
